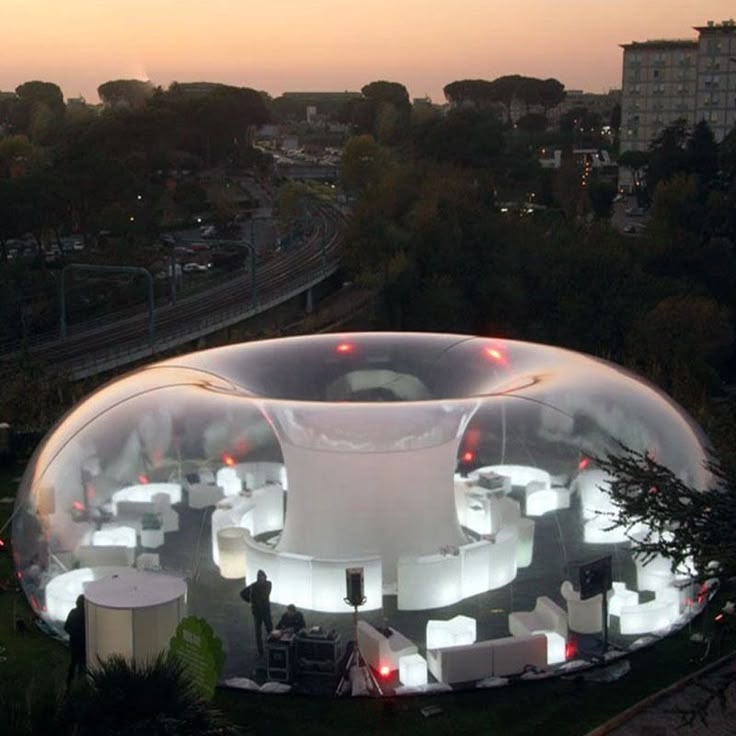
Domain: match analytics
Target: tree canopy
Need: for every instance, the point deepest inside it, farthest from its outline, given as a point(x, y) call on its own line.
point(130, 92)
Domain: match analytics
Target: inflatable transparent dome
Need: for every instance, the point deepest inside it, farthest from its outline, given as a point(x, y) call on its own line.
point(443, 484)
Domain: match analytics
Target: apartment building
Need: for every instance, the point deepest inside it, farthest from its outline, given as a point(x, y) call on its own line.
point(685, 79)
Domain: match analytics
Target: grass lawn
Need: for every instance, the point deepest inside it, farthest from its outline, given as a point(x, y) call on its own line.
point(569, 707)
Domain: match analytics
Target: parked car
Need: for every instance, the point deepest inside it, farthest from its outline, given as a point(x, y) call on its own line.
point(193, 267)
point(635, 212)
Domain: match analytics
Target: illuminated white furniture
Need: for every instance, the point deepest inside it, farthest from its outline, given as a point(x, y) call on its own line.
point(204, 491)
point(547, 618)
point(593, 487)
point(114, 535)
point(309, 582)
point(491, 658)
point(514, 654)
point(525, 546)
point(519, 475)
point(231, 545)
point(62, 592)
point(228, 480)
point(145, 493)
point(133, 615)
point(583, 616)
point(621, 597)
point(381, 651)
point(541, 498)
point(656, 615)
point(152, 538)
point(464, 663)
point(412, 670)
point(503, 557)
point(430, 581)
point(455, 632)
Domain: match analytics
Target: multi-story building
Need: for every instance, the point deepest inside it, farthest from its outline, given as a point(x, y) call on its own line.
point(686, 80)
point(659, 82)
point(716, 86)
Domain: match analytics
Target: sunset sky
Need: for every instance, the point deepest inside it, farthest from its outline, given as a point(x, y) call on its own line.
point(279, 45)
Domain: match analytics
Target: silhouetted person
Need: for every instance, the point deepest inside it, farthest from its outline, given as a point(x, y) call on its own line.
point(292, 619)
point(74, 626)
point(260, 603)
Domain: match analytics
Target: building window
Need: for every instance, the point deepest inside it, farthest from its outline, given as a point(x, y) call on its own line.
point(711, 80)
point(659, 59)
point(658, 89)
point(685, 59)
point(682, 90)
point(714, 47)
point(655, 73)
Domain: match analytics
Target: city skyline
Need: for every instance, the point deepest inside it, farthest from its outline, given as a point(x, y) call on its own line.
point(327, 45)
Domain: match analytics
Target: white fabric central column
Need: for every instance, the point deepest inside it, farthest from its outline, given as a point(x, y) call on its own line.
point(372, 479)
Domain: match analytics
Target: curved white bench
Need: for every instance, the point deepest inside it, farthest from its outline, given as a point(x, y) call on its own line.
point(520, 475)
point(312, 583)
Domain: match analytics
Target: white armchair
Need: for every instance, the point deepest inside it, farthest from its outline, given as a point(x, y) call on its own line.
point(583, 616)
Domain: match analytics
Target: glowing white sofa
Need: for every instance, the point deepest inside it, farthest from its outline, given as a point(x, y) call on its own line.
point(145, 492)
point(204, 491)
point(112, 545)
point(464, 663)
point(381, 651)
point(541, 498)
point(583, 616)
point(258, 474)
point(656, 615)
point(519, 475)
point(621, 597)
point(62, 592)
point(429, 581)
point(491, 658)
point(436, 580)
point(547, 618)
point(310, 582)
point(457, 631)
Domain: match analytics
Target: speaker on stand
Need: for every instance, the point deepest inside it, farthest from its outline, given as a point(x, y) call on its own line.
point(355, 597)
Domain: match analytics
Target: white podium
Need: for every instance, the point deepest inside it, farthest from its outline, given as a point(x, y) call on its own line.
point(132, 615)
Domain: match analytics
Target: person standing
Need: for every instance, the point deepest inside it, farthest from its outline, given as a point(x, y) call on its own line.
point(75, 627)
point(259, 595)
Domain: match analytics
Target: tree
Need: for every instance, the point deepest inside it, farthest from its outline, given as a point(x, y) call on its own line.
point(667, 155)
point(533, 123)
point(164, 698)
point(45, 93)
point(479, 93)
point(702, 152)
point(364, 163)
point(132, 93)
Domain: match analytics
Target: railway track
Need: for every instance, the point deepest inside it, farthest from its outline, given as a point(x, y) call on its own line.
point(90, 348)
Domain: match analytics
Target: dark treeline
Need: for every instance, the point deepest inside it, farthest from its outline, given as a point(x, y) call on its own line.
point(430, 231)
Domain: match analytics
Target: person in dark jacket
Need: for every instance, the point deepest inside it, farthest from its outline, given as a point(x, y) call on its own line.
point(260, 604)
point(292, 619)
point(74, 626)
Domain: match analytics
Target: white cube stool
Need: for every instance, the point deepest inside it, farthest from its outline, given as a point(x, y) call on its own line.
point(413, 670)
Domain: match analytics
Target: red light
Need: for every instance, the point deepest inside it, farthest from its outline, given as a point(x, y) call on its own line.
point(229, 460)
point(384, 670)
point(143, 479)
point(344, 348)
point(468, 457)
point(496, 354)
point(719, 617)
point(19, 575)
point(571, 649)
point(2, 543)
point(583, 463)
point(34, 603)
point(78, 505)
point(653, 491)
